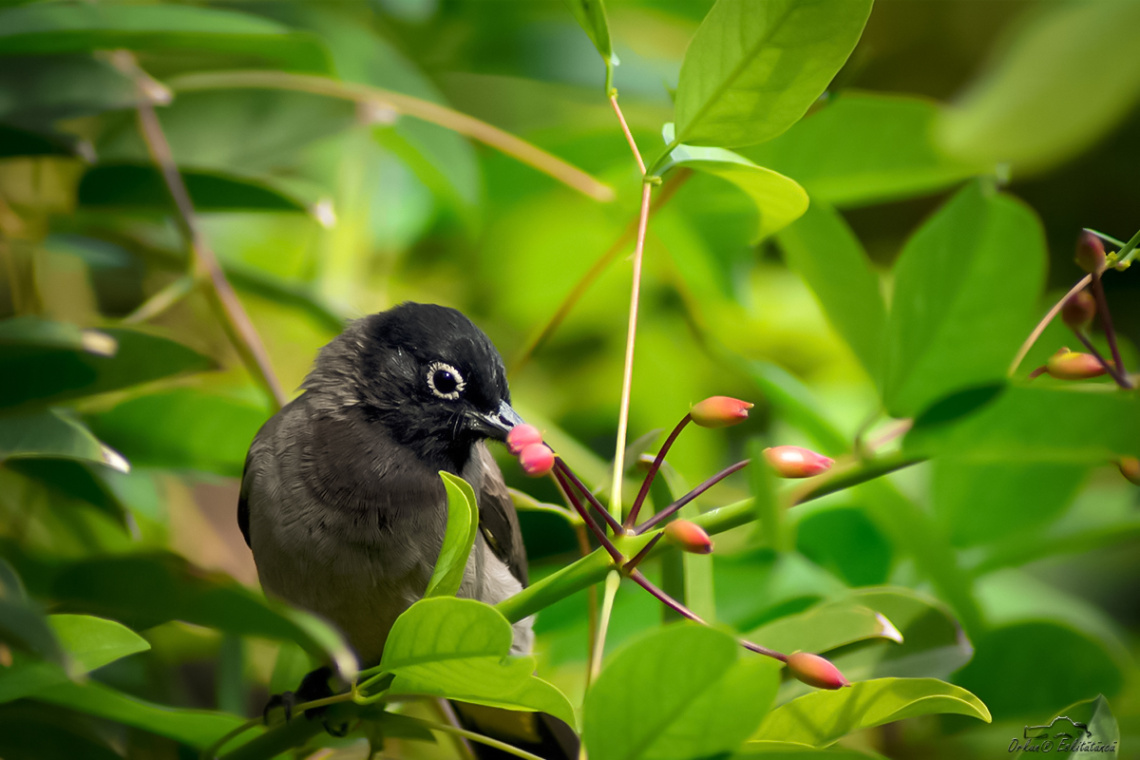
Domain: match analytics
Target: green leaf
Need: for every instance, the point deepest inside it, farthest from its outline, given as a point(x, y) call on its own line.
point(591, 16)
point(655, 699)
point(1100, 731)
point(753, 69)
point(40, 372)
point(864, 148)
point(933, 642)
point(823, 250)
point(143, 590)
point(846, 542)
point(458, 538)
point(823, 717)
point(51, 28)
point(31, 731)
point(15, 142)
point(37, 90)
point(779, 200)
point(1047, 99)
point(196, 728)
point(88, 643)
point(982, 502)
point(22, 626)
point(796, 751)
point(72, 480)
point(201, 431)
point(51, 434)
point(123, 186)
point(1024, 669)
point(460, 649)
point(965, 296)
point(824, 627)
point(1072, 425)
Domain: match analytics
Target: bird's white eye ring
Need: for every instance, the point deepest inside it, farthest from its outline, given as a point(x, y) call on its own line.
point(445, 380)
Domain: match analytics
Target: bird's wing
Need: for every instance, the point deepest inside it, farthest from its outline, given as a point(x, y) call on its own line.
point(243, 500)
point(498, 520)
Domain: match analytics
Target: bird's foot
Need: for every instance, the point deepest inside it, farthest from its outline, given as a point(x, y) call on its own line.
point(314, 686)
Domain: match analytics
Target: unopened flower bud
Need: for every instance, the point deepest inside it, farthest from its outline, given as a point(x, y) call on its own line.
point(536, 459)
point(1130, 468)
point(1090, 253)
point(1078, 310)
point(720, 411)
point(689, 537)
point(1073, 365)
point(816, 671)
point(522, 436)
point(796, 461)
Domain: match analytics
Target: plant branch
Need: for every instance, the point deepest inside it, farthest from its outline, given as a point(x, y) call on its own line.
point(472, 736)
point(592, 569)
point(670, 510)
point(243, 335)
point(668, 190)
point(435, 113)
point(653, 468)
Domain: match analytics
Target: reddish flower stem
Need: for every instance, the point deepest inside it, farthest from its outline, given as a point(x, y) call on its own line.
point(1108, 366)
point(685, 612)
point(672, 508)
point(1106, 322)
point(596, 529)
point(630, 566)
point(632, 519)
point(569, 474)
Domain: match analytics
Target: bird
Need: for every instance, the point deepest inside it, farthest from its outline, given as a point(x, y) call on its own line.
point(341, 500)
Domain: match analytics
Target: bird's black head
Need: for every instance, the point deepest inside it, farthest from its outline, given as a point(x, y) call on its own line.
point(427, 374)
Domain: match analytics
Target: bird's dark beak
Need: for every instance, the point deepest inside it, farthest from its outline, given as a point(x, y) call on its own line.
point(495, 424)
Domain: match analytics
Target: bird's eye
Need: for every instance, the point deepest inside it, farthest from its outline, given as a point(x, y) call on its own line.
point(445, 381)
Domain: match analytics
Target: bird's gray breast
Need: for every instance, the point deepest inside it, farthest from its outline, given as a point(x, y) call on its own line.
point(348, 524)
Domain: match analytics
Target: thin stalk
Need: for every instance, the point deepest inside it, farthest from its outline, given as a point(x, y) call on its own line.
point(671, 186)
point(517, 148)
point(626, 132)
point(562, 467)
point(161, 301)
point(684, 611)
point(472, 736)
point(1106, 323)
point(613, 582)
point(1113, 372)
point(230, 312)
point(1040, 328)
point(630, 340)
point(568, 492)
point(670, 510)
point(584, 549)
point(632, 519)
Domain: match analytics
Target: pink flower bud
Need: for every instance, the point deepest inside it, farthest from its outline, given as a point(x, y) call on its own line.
point(796, 461)
point(522, 436)
point(720, 411)
point(536, 459)
point(816, 671)
point(1090, 253)
point(1130, 468)
point(689, 537)
point(1078, 310)
point(1072, 365)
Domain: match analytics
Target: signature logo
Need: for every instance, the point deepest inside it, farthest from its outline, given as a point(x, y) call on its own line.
point(1062, 734)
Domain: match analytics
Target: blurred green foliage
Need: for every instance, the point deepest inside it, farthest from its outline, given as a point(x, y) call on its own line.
point(884, 256)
